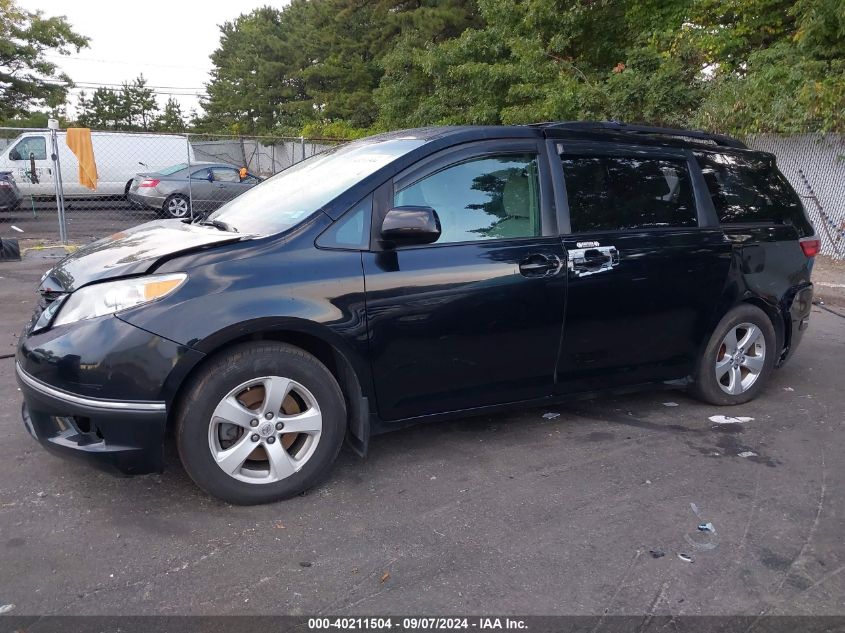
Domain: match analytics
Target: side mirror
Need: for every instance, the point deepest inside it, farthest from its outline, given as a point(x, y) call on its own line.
point(411, 225)
point(15, 155)
point(210, 177)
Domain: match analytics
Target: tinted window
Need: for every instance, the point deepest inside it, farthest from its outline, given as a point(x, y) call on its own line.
point(36, 145)
point(352, 231)
point(610, 193)
point(481, 199)
point(745, 189)
point(202, 174)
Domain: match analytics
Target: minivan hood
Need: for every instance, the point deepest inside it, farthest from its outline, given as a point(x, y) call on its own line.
point(132, 252)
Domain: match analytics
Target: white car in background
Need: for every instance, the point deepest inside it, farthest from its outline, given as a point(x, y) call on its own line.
point(118, 156)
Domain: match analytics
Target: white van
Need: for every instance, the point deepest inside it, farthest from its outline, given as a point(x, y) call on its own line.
point(119, 157)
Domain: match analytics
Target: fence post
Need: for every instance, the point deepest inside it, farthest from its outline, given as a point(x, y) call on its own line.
point(190, 179)
point(302, 146)
point(58, 185)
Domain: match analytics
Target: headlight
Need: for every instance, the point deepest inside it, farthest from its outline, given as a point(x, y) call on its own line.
point(114, 296)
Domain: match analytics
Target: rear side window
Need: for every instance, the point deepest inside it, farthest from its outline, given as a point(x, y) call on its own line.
point(745, 189)
point(608, 193)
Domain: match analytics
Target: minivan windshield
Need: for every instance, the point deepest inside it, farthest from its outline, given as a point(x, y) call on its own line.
point(291, 195)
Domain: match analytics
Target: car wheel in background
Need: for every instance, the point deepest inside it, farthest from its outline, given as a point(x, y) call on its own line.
point(261, 422)
point(738, 359)
point(176, 206)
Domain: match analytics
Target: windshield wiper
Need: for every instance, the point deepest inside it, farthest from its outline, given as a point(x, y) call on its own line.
point(220, 224)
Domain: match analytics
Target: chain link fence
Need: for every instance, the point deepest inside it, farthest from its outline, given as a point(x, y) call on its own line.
point(815, 165)
point(127, 178)
point(143, 176)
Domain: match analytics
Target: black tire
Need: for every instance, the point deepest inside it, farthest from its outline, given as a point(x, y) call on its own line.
point(224, 373)
point(126, 190)
point(706, 386)
point(168, 213)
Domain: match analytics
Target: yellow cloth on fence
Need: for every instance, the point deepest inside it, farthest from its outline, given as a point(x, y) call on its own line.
point(79, 142)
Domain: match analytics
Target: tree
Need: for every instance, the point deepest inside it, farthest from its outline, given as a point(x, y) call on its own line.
point(138, 105)
point(316, 61)
point(28, 79)
point(133, 107)
point(171, 119)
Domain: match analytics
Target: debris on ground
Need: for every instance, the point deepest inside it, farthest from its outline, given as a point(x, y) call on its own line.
point(385, 576)
point(685, 557)
point(41, 494)
point(280, 525)
point(788, 389)
point(648, 481)
point(305, 563)
point(705, 527)
point(727, 419)
point(657, 553)
point(551, 416)
point(747, 454)
point(670, 404)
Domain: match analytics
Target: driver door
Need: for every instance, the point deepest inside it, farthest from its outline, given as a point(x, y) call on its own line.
point(475, 318)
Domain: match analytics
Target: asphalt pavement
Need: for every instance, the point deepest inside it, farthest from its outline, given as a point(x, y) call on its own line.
point(85, 220)
point(592, 511)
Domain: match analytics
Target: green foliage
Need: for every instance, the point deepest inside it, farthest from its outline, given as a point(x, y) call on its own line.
point(317, 62)
point(133, 107)
point(729, 65)
point(345, 68)
point(28, 80)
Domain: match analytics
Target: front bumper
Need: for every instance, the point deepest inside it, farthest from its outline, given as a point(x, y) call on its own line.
point(126, 436)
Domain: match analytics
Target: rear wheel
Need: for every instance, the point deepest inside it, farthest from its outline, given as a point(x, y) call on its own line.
point(260, 423)
point(176, 206)
point(738, 358)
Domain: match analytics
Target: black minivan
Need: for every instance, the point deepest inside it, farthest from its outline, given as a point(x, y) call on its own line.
point(415, 276)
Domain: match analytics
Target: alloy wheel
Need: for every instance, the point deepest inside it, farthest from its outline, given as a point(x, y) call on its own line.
point(265, 429)
point(740, 359)
point(177, 207)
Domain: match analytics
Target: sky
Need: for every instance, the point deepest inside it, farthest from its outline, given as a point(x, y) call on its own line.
point(169, 42)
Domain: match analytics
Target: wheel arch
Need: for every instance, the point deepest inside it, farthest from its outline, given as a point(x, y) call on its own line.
point(779, 323)
point(325, 345)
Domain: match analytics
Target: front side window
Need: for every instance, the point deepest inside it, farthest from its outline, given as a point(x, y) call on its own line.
point(224, 174)
point(352, 231)
point(494, 197)
point(35, 145)
point(745, 189)
point(608, 193)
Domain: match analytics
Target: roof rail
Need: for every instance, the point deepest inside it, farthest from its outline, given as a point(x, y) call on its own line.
point(619, 126)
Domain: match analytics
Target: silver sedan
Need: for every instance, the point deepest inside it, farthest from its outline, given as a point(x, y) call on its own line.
point(174, 191)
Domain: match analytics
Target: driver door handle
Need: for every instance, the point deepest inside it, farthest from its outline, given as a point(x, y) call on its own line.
point(538, 265)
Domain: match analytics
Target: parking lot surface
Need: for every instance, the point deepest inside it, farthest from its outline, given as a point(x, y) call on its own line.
point(85, 220)
point(596, 510)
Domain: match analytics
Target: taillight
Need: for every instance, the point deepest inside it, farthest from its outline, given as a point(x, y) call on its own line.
point(811, 246)
point(149, 182)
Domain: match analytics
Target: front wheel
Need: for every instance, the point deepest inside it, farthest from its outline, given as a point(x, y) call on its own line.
point(176, 206)
point(261, 422)
point(738, 359)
